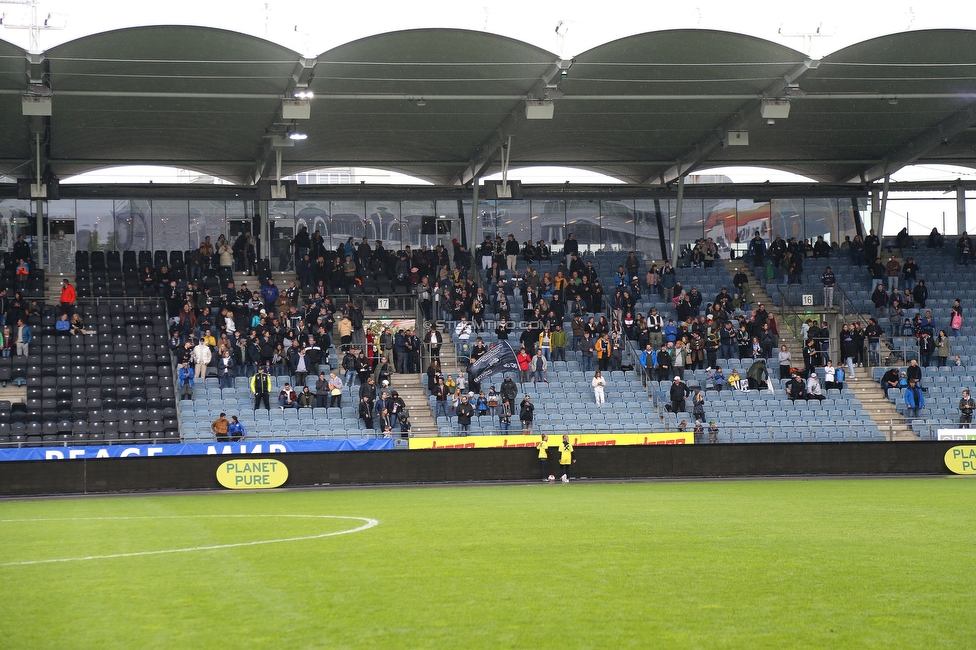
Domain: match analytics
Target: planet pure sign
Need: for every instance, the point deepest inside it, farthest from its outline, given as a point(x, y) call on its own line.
point(961, 459)
point(250, 473)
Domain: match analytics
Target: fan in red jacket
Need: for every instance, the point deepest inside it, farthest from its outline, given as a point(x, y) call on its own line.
point(68, 297)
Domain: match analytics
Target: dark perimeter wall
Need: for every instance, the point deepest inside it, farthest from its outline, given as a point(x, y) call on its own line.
point(435, 466)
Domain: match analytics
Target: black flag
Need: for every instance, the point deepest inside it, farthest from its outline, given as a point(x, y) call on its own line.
point(499, 358)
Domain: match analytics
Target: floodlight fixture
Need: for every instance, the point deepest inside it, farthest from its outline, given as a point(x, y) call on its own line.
point(36, 105)
point(775, 109)
point(295, 109)
point(736, 139)
point(539, 109)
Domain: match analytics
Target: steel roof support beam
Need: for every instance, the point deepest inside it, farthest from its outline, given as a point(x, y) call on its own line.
point(704, 148)
point(485, 154)
point(919, 146)
point(300, 78)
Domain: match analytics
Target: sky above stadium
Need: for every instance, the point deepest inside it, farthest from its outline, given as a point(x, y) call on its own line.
point(565, 28)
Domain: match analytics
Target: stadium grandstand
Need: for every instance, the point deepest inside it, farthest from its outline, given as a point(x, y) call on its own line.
point(140, 313)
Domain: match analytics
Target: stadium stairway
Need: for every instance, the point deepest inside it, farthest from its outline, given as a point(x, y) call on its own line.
point(52, 286)
point(411, 389)
point(882, 411)
point(759, 295)
point(414, 395)
point(13, 394)
point(449, 359)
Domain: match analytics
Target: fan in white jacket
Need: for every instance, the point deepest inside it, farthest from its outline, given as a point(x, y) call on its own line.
point(201, 356)
point(599, 383)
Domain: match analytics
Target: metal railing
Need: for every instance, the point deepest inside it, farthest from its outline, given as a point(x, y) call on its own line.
point(129, 300)
point(801, 431)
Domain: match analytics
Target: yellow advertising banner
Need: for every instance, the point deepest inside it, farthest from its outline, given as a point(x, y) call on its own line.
point(961, 459)
point(252, 473)
point(578, 440)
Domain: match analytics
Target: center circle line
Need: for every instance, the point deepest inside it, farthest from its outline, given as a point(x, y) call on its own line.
point(369, 523)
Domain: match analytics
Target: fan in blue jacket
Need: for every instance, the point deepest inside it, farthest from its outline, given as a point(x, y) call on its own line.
point(914, 399)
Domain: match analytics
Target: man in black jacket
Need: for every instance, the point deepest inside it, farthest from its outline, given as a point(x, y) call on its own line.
point(464, 412)
point(889, 380)
point(22, 250)
point(678, 393)
point(570, 248)
point(914, 372)
point(880, 300)
point(511, 252)
point(412, 343)
point(920, 294)
point(796, 388)
point(509, 389)
point(664, 362)
point(926, 346)
point(966, 407)
point(368, 391)
point(873, 333)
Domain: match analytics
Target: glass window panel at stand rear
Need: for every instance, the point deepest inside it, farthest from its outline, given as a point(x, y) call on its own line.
point(170, 224)
point(692, 221)
point(647, 212)
point(786, 217)
point(513, 218)
point(348, 220)
point(549, 223)
point(383, 223)
point(207, 218)
point(412, 214)
point(618, 225)
point(583, 222)
point(281, 222)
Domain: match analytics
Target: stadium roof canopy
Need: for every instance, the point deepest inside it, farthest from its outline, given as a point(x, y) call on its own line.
point(439, 104)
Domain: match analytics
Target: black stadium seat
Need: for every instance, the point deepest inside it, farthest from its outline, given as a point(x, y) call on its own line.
point(97, 260)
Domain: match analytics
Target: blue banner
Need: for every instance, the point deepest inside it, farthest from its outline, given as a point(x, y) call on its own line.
point(195, 449)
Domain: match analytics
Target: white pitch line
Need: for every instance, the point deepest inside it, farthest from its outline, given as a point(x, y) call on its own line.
point(369, 524)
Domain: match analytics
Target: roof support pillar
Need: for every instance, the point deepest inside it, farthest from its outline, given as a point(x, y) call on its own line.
point(960, 210)
point(263, 251)
point(879, 231)
point(40, 206)
point(676, 239)
point(875, 210)
point(473, 231)
point(39, 203)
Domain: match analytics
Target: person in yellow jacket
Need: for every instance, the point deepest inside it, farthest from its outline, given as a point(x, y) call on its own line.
point(344, 327)
point(565, 457)
point(261, 387)
point(543, 446)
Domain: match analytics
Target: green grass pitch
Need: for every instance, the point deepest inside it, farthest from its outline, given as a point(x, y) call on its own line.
point(884, 563)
